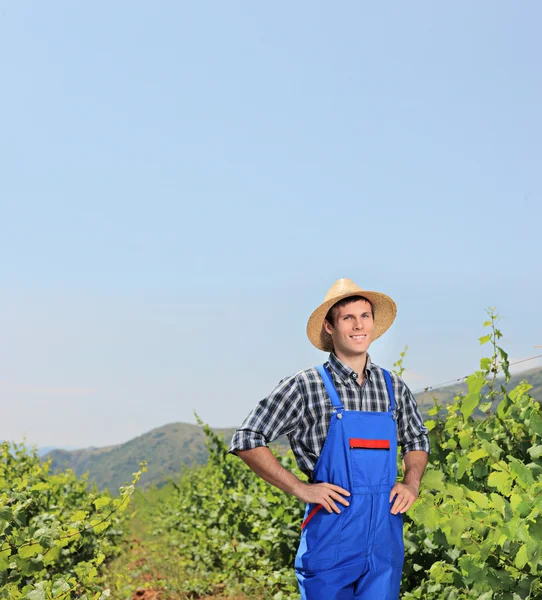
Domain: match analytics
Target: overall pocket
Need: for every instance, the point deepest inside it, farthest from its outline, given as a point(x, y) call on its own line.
point(370, 461)
point(319, 544)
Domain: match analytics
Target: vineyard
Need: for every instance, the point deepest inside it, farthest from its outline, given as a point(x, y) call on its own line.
point(219, 530)
point(54, 534)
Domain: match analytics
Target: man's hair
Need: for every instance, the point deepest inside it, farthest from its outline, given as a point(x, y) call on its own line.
point(344, 302)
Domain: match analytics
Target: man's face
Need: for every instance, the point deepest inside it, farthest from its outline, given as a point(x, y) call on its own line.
point(352, 329)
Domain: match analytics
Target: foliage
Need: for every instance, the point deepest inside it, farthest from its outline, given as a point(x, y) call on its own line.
point(226, 527)
point(398, 364)
point(475, 531)
point(54, 533)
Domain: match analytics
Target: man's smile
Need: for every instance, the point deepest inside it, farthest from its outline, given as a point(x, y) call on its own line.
point(358, 336)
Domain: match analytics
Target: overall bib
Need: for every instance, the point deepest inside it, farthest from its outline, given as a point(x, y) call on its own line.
point(359, 552)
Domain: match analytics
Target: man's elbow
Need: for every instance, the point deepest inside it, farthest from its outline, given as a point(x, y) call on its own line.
point(250, 455)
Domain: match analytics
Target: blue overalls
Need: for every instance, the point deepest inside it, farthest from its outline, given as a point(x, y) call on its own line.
point(359, 552)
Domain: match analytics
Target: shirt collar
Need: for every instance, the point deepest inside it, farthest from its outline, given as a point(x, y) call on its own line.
point(344, 372)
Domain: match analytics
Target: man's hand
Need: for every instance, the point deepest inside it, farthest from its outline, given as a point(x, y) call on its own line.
point(406, 493)
point(322, 493)
point(405, 496)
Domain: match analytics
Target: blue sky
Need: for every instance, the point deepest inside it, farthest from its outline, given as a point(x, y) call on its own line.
point(182, 182)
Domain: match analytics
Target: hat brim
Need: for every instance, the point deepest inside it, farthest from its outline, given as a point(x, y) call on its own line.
point(385, 311)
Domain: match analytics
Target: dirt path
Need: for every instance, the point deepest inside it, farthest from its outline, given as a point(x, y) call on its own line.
point(143, 575)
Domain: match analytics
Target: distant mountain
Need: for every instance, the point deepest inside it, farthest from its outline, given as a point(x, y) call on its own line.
point(42, 450)
point(166, 449)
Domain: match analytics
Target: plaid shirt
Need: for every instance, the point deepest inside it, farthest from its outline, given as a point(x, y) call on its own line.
point(300, 408)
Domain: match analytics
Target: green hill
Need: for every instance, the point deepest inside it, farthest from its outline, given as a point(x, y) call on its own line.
point(166, 449)
point(447, 393)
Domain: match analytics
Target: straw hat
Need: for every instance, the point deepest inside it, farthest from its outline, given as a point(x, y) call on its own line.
point(384, 310)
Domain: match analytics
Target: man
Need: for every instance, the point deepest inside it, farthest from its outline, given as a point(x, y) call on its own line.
point(344, 421)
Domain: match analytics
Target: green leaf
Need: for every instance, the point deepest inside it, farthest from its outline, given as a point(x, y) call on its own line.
point(430, 517)
point(476, 455)
point(4, 563)
point(60, 586)
point(476, 382)
point(6, 514)
point(481, 500)
point(430, 425)
point(536, 423)
point(37, 594)
point(521, 557)
point(101, 502)
point(519, 505)
point(44, 536)
point(469, 567)
point(499, 503)
point(485, 364)
point(469, 403)
point(98, 526)
point(30, 550)
point(535, 451)
point(79, 515)
point(455, 491)
point(51, 555)
point(493, 449)
point(521, 389)
point(505, 364)
point(433, 480)
point(484, 339)
point(515, 499)
point(503, 405)
point(523, 473)
point(456, 526)
point(463, 463)
point(500, 480)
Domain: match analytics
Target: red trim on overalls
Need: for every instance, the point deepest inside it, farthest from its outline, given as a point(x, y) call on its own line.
point(311, 515)
point(374, 444)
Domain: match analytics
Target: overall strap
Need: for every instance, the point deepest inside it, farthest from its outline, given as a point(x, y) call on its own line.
point(330, 387)
point(389, 385)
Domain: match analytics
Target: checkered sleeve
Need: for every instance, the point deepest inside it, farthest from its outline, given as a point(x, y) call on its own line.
point(412, 433)
point(273, 417)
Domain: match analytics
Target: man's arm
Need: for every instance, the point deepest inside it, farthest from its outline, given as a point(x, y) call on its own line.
point(262, 461)
point(278, 415)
